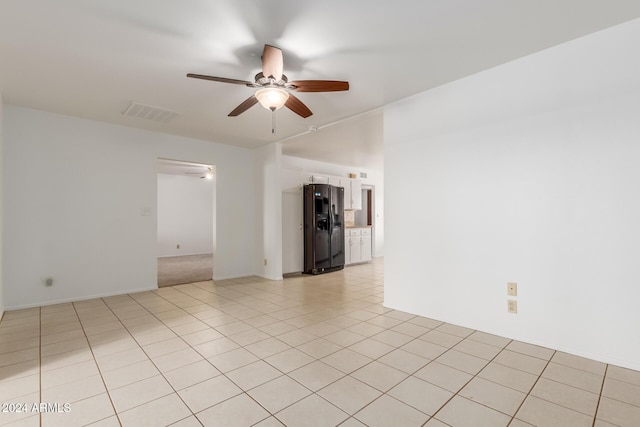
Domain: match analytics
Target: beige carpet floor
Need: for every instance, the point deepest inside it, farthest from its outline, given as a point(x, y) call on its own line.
point(177, 270)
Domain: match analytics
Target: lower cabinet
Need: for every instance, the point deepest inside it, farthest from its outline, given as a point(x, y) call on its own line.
point(357, 245)
point(365, 245)
point(352, 245)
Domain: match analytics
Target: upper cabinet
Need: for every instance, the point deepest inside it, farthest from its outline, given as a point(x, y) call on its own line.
point(313, 178)
point(336, 182)
point(294, 179)
point(353, 194)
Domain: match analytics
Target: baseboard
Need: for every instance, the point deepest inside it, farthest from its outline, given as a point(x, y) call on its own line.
point(292, 274)
point(175, 256)
point(83, 298)
point(233, 276)
point(597, 356)
point(264, 276)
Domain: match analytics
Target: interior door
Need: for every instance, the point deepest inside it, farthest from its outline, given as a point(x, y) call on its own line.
point(292, 232)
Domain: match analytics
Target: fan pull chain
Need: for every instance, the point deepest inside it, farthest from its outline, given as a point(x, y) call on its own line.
point(273, 120)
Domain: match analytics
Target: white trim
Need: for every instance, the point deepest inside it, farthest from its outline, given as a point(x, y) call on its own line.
point(85, 298)
point(235, 276)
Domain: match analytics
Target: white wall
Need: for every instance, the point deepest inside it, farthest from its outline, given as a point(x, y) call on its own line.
point(185, 215)
point(527, 172)
point(267, 164)
point(74, 191)
point(1, 219)
point(374, 177)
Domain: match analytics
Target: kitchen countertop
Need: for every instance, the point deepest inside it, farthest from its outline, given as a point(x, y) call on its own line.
point(358, 226)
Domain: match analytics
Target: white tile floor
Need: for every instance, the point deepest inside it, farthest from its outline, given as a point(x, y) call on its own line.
point(309, 351)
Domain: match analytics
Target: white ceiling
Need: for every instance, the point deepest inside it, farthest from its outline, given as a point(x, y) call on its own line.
point(90, 58)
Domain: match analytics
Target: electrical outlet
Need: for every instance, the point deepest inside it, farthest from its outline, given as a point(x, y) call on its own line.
point(265, 261)
point(177, 246)
point(512, 289)
point(48, 281)
point(512, 306)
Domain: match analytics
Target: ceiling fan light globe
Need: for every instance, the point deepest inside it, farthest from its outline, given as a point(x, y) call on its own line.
point(272, 98)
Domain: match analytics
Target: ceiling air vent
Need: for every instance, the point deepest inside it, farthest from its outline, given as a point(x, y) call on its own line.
point(147, 112)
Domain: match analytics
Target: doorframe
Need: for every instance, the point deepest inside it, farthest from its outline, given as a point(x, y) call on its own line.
point(372, 212)
point(214, 218)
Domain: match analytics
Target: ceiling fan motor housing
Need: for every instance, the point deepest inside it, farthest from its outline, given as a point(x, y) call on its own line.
point(261, 80)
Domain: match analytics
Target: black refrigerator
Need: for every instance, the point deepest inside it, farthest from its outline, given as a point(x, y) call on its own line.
point(323, 228)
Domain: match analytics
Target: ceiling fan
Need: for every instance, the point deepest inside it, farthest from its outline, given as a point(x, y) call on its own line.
point(274, 87)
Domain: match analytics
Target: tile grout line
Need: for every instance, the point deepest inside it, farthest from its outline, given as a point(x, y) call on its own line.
point(349, 416)
point(429, 417)
point(352, 416)
point(96, 362)
point(531, 389)
point(224, 374)
point(463, 338)
point(384, 393)
point(148, 357)
point(204, 358)
point(181, 308)
point(465, 384)
point(604, 379)
point(284, 373)
point(244, 302)
point(556, 381)
point(409, 375)
point(374, 359)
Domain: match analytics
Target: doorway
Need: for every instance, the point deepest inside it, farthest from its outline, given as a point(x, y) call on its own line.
point(366, 216)
point(185, 222)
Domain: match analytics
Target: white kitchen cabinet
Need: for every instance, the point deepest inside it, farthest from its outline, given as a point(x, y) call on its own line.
point(352, 245)
point(365, 245)
point(353, 195)
point(335, 181)
point(356, 194)
point(357, 245)
point(312, 178)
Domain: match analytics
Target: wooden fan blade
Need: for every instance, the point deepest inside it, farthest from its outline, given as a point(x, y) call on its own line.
point(248, 103)
point(320, 85)
point(295, 105)
point(272, 63)
point(222, 79)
